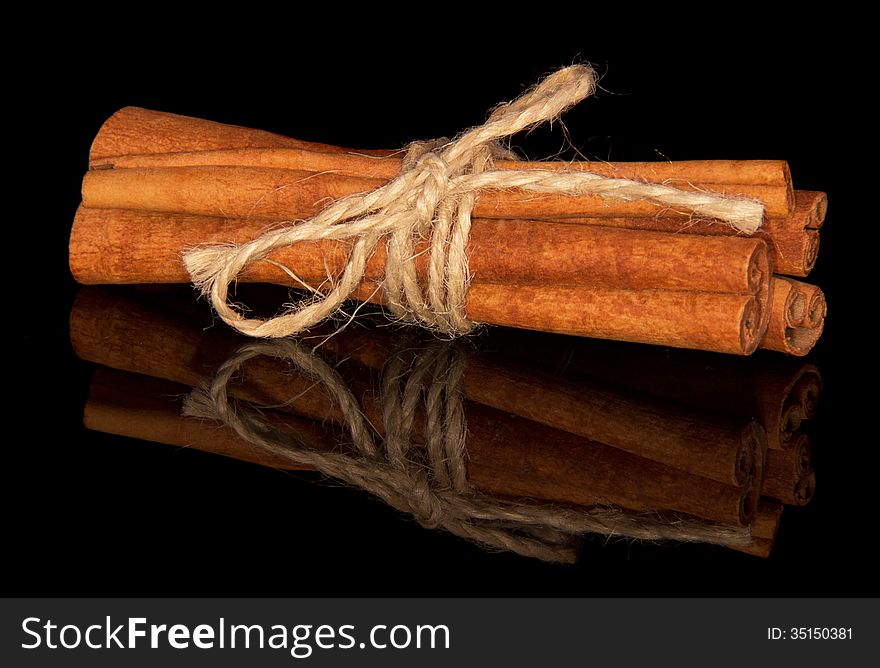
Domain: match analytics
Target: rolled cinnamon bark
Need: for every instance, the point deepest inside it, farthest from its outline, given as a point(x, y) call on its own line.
point(130, 246)
point(815, 203)
point(135, 137)
point(349, 162)
point(793, 240)
point(115, 247)
point(700, 320)
point(267, 193)
point(794, 339)
point(815, 301)
point(135, 130)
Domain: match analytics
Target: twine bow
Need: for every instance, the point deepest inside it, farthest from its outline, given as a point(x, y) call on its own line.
point(433, 196)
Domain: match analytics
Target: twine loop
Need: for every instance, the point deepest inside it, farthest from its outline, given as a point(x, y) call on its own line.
point(433, 197)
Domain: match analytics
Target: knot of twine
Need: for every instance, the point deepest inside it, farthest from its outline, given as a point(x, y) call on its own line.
point(433, 196)
point(429, 480)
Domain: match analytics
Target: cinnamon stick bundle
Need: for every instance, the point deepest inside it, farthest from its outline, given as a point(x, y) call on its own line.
point(161, 184)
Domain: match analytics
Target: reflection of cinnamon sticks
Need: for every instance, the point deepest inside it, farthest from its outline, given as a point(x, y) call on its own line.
point(507, 456)
point(789, 476)
point(160, 184)
point(724, 450)
point(764, 527)
point(780, 393)
point(172, 351)
point(512, 452)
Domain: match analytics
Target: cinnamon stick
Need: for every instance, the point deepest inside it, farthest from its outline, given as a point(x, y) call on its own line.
point(785, 331)
point(766, 180)
point(129, 246)
point(135, 137)
point(793, 239)
point(267, 193)
point(135, 130)
point(115, 247)
point(815, 203)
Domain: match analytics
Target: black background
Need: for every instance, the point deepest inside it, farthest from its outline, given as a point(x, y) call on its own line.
point(90, 514)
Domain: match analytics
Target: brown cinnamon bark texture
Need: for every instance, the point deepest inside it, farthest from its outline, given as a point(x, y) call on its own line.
point(728, 315)
point(793, 240)
point(131, 246)
point(135, 137)
point(286, 194)
point(138, 138)
point(788, 331)
point(133, 130)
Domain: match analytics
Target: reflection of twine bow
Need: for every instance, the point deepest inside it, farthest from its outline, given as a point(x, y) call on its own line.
point(433, 196)
point(429, 480)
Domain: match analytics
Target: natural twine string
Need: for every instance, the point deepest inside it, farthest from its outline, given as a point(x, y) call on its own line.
point(433, 196)
point(429, 481)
